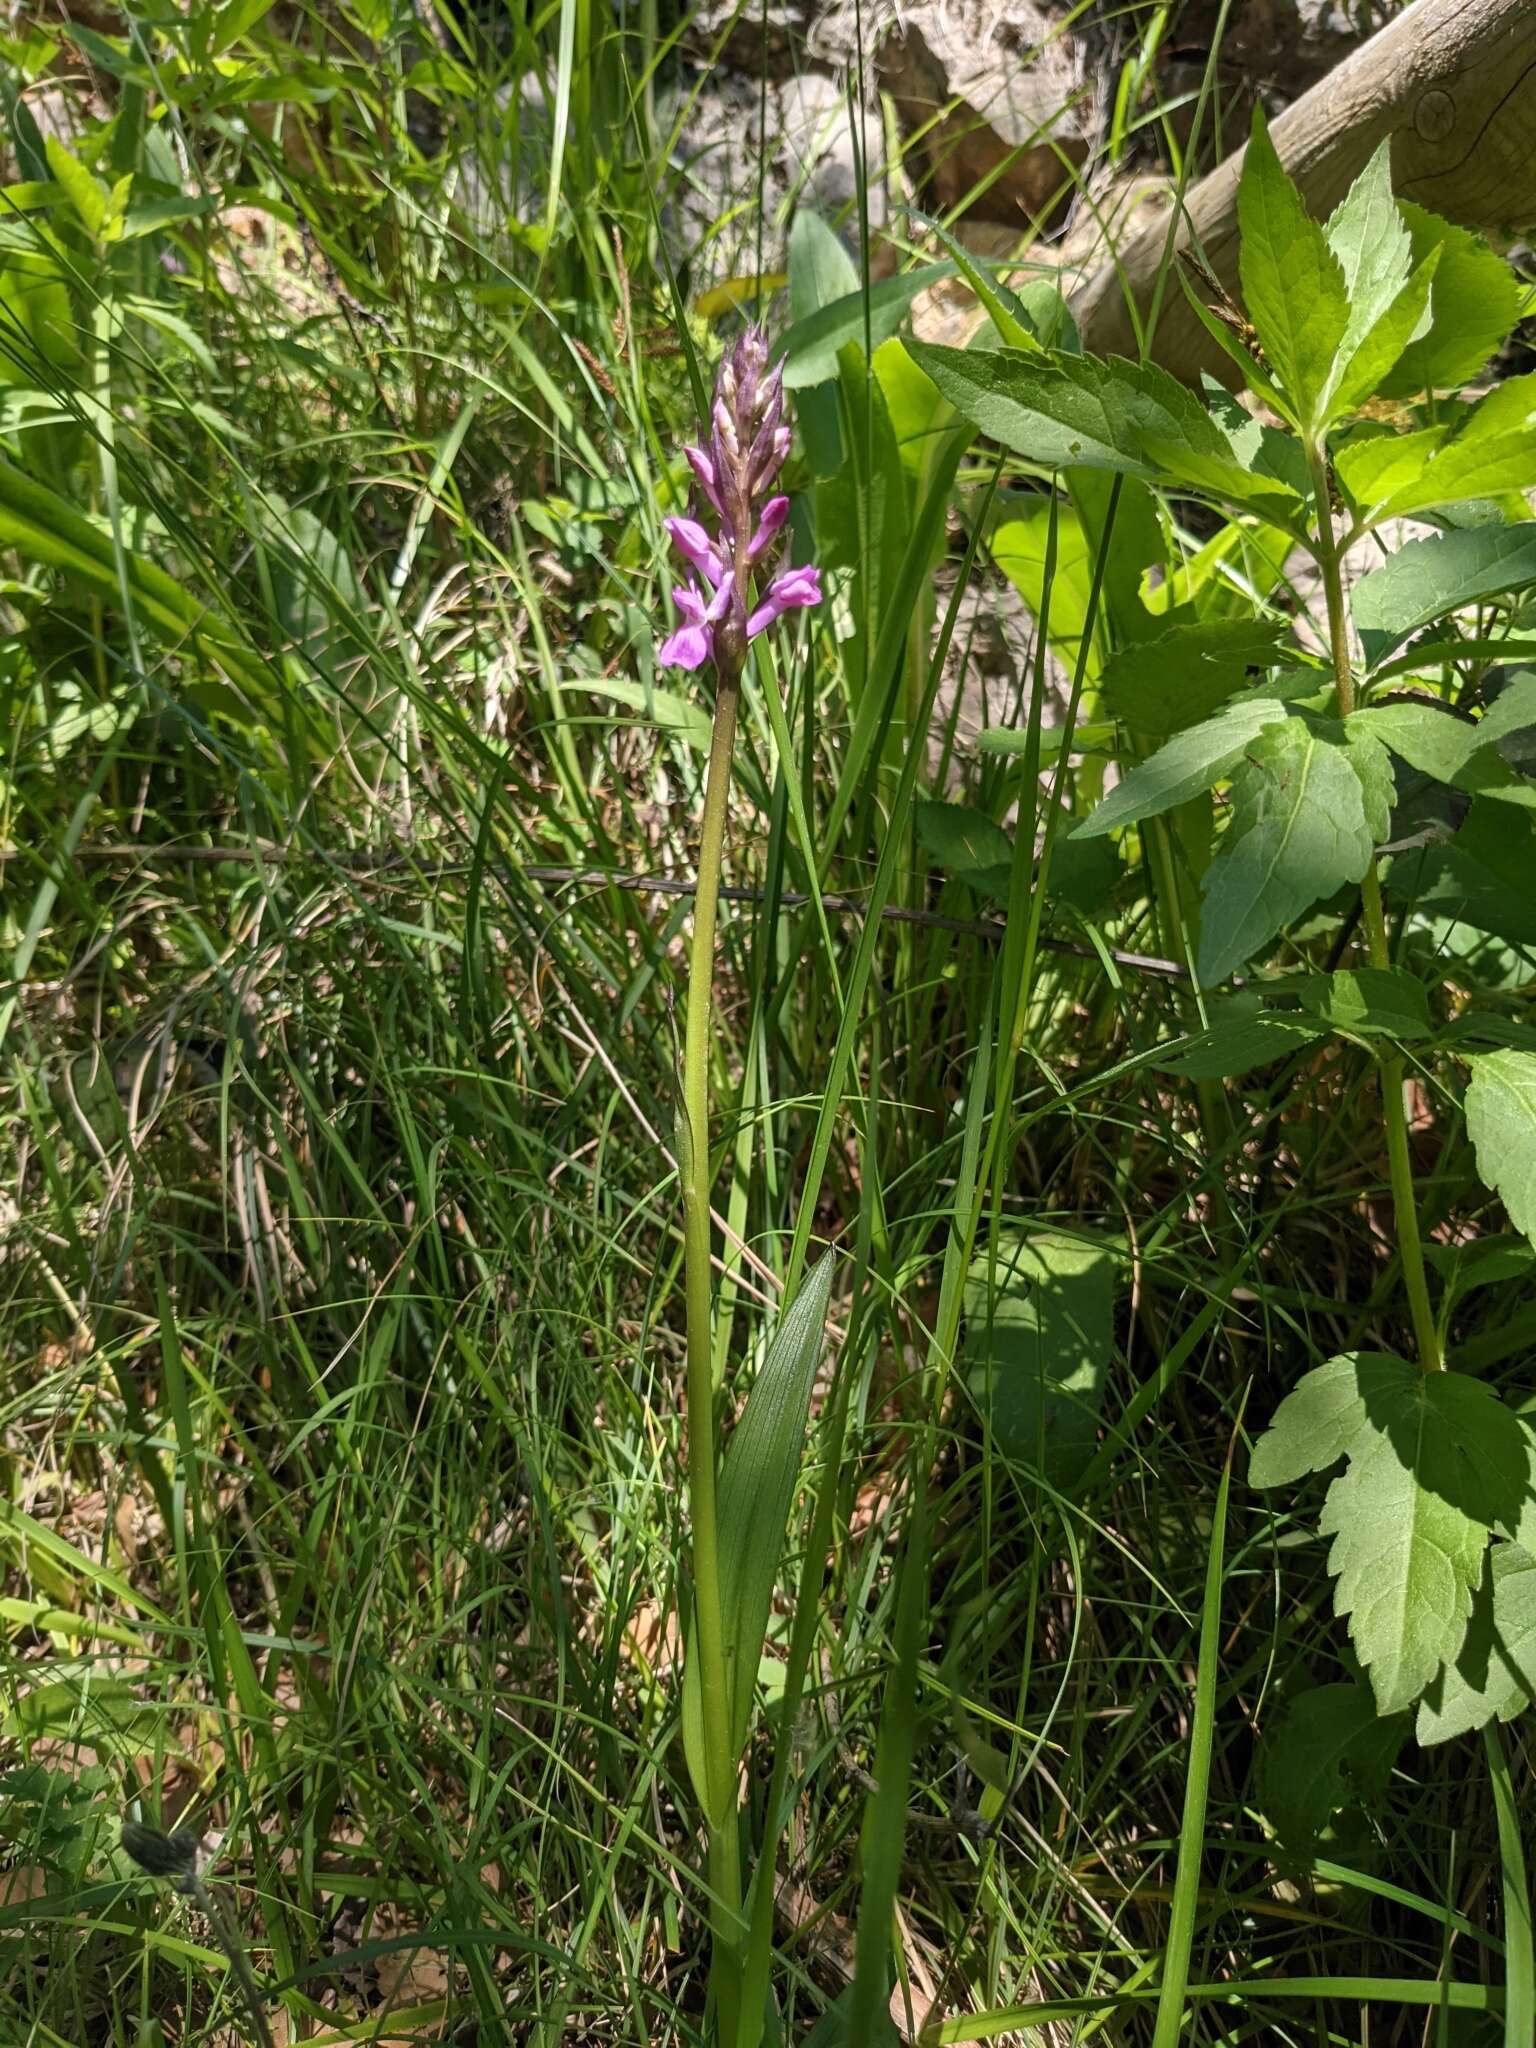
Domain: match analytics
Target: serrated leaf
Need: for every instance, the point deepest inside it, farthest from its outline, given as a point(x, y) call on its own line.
point(1363, 367)
point(1494, 1675)
point(1430, 578)
point(1064, 411)
point(1292, 282)
point(1184, 674)
point(1329, 1751)
point(1501, 1122)
point(1219, 475)
point(1370, 240)
point(1185, 765)
point(1437, 1463)
point(1039, 1334)
point(1473, 304)
point(963, 839)
point(1242, 1035)
point(1477, 756)
point(1320, 1420)
point(1463, 470)
point(1482, 878)
point(84, 191)
point(1299, 831)
point(1378, 785)
point(758, 1476)
point(1368, 1001)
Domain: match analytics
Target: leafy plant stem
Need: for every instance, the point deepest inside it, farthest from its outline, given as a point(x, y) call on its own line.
point(694, 1164)
point(1373, 916)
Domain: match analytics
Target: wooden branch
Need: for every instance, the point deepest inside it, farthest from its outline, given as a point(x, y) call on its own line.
point(1453, 82)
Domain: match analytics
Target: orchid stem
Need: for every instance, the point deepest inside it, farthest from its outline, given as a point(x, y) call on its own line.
point(1373, 917)
point(694, 1164)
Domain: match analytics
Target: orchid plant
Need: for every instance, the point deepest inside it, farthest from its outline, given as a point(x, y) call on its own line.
point(723, 608)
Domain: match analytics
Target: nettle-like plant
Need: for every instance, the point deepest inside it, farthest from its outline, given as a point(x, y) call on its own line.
point(1394, 773)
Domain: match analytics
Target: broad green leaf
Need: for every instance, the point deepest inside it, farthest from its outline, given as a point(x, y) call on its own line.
point(38, 332)
point(1370, 240)
point(1219, 475)
point(1494, 1675)
point(1328, 1751)
point(1372, 464)
point(1501, 1122)
point(1071, 412)
point(1242, 1035)
point(45, 528)
point(1388, 293)
point(963, 840)
point(233, 20)
point(1369, 1001)
point(1485, 451)
point(664, 709)
point(1185, 673)
point(84, 191)
point(1427, 579)
point(1378, 786)
point(1436, 1464)
point(1363, 367)
point(1482, 878)
point(1468, 467)
point(1300, 830)
point(1411, 1518)
point(1190, 762)
point(1320, 1421)
point(821, 273)
point(1018, 544)
point(1269, 451)
point(1293, 285)
point(812, 345)
point(758, 1476)
point(1040, 1311)
point(1473, 304)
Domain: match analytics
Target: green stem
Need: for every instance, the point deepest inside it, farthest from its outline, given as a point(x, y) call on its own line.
point(1395, 1116)
point(694, 1167)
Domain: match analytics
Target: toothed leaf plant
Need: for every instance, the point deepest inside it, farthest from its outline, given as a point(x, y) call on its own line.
point(1311, 820)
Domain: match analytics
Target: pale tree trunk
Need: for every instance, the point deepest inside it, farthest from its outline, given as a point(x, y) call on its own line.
point(1452, 82)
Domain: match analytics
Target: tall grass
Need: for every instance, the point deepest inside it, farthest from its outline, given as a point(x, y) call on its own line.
point(346, 883)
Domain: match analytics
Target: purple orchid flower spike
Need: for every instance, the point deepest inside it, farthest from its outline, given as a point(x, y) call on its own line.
point(748, 442)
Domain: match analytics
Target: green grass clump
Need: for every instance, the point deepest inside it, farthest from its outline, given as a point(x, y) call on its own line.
point(348, 835)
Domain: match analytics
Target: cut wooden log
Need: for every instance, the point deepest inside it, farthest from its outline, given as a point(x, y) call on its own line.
point(1452, 82)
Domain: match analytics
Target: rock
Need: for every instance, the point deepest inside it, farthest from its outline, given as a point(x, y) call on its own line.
point(809, 160)
point(772, 38)
point(994, 102)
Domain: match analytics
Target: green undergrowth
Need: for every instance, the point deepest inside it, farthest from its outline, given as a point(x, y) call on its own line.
point(347, 828)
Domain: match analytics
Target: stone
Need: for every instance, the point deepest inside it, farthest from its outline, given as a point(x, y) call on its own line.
point(810, 160)
point(995, 104)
